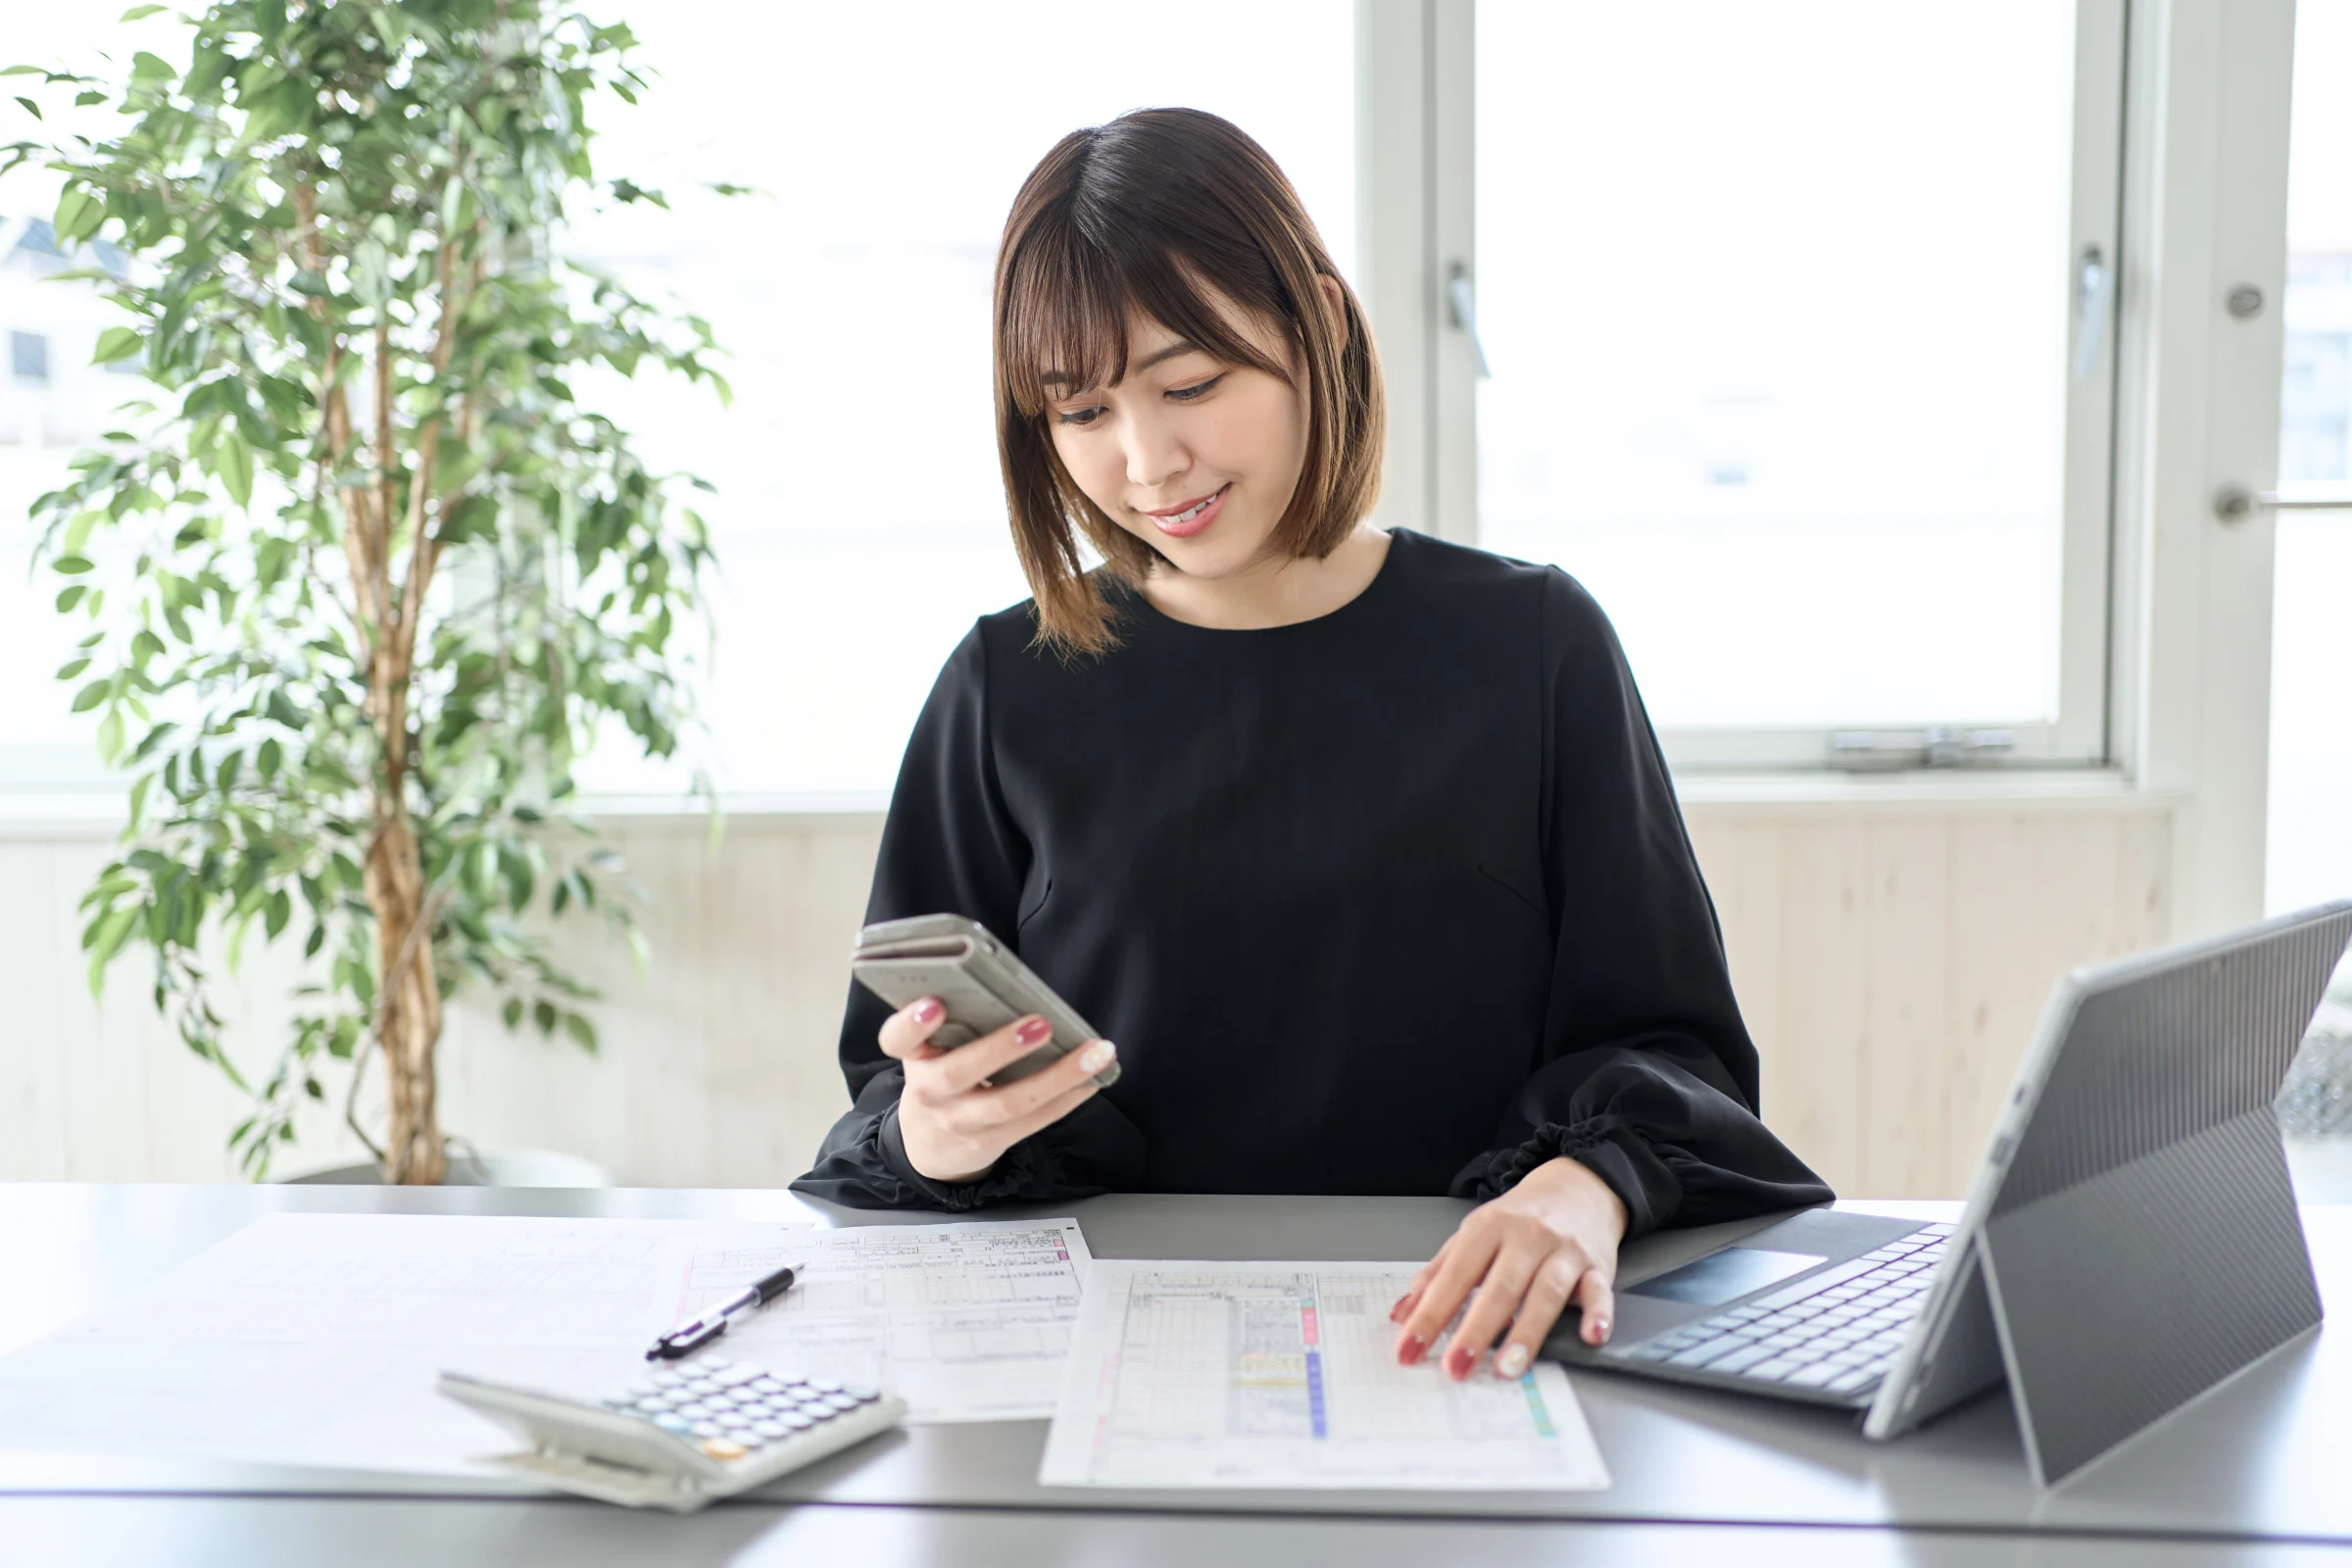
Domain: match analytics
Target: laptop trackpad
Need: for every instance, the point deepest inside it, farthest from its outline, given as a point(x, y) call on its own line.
point(1726, 1276)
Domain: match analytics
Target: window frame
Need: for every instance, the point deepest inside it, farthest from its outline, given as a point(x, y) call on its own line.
point(1416, 183)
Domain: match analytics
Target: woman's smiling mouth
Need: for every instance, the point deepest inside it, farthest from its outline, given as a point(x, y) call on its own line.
point(1190, 519)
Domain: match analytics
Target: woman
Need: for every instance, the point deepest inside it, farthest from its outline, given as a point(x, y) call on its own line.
point(1359, 843)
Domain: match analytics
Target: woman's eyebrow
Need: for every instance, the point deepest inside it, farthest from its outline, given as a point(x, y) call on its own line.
point(1168, 352)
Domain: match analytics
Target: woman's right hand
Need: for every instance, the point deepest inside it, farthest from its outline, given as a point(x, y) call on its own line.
point(954, 1123)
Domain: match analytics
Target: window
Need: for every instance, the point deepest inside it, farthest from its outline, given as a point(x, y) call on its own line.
point(860, 520)
point(2311, 668)
point(2315, 402)
point(52, 400)
point(28, 356)
point(1823, 416)
point(1793, 326)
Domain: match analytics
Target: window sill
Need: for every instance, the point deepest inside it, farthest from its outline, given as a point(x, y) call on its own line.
point(97, 815)
point(1925, 789)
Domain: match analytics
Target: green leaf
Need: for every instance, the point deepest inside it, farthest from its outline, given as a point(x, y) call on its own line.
point(278, 911)
point(72, 668)
point(105, 939)
point(473, 518)
point(78, 215)
point(543, 1014)
point(70, 566)
point(235, 463)
point(70, 597)
point(141, 12)
point(92, 696)
point(117, 343)
point(512, 1012)
point(269, 21)
point(30, 108)
point(109, 735)
point(580, 1029)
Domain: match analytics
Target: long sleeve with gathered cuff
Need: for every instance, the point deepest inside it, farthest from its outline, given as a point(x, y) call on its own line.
point(1396, 901)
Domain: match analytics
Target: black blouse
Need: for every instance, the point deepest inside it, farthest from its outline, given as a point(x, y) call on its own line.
point(1393, 901)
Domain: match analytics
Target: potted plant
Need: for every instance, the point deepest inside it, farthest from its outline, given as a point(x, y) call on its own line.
point(365, 576)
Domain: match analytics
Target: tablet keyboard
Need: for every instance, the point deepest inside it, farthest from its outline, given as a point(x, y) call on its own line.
point(1835, 1332)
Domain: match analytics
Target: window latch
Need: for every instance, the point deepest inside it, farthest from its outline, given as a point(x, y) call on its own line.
point(1865, 751)
point(1461, 299)
point(2094, 288)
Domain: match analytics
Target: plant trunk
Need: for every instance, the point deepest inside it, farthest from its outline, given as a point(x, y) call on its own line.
point(408, 1007)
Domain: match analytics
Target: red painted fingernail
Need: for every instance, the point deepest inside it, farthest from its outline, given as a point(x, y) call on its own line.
point(927, 1009)
point(1600, 1331)
point(1033, 1032)
point(1403, 1310)
point(1411, 1350)
point(1458, 1362)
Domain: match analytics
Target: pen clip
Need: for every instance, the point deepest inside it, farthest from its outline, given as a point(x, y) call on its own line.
point(679, 1344)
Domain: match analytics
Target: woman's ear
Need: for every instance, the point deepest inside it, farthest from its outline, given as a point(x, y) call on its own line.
point(1335, 305)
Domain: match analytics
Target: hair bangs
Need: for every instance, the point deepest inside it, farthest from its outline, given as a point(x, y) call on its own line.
point(1068, 297)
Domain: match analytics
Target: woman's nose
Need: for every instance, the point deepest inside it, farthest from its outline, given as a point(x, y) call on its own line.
point(1153, 454)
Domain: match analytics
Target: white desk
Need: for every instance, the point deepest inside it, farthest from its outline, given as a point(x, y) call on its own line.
point(2260, 1471)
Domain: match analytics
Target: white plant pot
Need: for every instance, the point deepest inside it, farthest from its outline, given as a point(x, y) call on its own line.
point(505, 1167)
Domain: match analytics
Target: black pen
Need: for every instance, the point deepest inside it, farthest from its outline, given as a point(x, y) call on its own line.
point(687, 1338)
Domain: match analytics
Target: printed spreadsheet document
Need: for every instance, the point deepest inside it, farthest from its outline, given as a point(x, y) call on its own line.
point(965, 1322)
point(1187, 1374)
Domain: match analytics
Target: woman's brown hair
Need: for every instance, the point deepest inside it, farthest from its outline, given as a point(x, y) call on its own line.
point(1162, 211)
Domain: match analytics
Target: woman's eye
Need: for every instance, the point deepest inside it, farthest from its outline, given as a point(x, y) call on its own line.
point(1186, 393)
point(1077, 417)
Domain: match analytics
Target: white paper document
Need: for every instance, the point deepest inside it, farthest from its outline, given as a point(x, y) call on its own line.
point(965, 1322)
point(313, 1338)
point(1282, 1375)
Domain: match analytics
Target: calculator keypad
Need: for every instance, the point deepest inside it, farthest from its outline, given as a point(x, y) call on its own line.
point(730, 1410)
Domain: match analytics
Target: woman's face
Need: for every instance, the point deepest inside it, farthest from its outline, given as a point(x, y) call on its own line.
point(1196, 457)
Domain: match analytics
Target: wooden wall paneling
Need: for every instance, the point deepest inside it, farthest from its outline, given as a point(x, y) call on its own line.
point(801, 1039)
point(661, 1020)
point(105, 1074)
point(761, 930)
point(1741, 859)
point(2031, 899)
point(1906, 964)
point(2143, 907)
point(1997, 984)
point(1824, 1028)
point(1892, 964)
point(33, 1142)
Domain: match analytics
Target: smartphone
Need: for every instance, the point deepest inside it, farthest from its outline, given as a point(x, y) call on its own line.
point(980, 981)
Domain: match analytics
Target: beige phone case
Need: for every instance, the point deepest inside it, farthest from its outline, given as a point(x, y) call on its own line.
point(983, 985)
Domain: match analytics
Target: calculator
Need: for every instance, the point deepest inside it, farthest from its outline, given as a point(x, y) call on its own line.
point(678, 1437)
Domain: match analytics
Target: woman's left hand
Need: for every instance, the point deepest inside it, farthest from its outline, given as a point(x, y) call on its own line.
point(1549, 1240)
